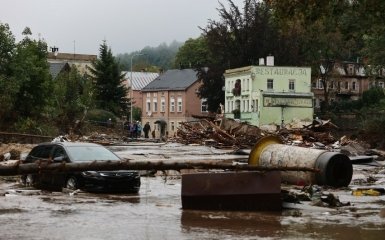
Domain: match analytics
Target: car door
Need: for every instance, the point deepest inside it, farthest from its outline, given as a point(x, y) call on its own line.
point(43, 153)
point(59, 155)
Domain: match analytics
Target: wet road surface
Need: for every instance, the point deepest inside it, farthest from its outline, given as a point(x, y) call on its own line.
point(155, 213)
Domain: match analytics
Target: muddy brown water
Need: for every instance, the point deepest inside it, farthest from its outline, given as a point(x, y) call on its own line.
point(155, 213)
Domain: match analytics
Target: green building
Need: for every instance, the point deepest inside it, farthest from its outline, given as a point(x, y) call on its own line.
point(263, 95)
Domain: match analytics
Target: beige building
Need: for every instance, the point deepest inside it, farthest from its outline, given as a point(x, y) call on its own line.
point(82, 61)
point(172, 97)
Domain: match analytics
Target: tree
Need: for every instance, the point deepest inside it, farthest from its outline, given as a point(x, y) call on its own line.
point(238, 39)
point(194, 52)
point(8, 85)
point(321, 27)
point(73, 96)
point(7, 46)
point(154, 58)
point(110, 90)
point(31, 71)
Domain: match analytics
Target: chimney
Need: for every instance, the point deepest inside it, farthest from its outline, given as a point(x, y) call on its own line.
point(261, 62)
point(270, 61)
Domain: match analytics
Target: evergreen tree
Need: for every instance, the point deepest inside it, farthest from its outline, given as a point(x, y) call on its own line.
point(110, 90)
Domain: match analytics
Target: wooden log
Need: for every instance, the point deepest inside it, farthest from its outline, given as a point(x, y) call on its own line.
point(17, 168)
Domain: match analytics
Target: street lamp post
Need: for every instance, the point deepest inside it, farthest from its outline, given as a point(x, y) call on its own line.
point(132, 90)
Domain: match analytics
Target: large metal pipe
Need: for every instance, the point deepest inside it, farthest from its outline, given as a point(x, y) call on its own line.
point(335, 169)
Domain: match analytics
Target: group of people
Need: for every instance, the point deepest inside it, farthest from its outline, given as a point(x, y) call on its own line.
point(135, 129)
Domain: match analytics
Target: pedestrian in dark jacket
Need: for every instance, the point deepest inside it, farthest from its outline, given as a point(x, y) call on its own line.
point(146, 129)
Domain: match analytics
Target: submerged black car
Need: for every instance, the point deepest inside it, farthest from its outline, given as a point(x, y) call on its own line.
point(93, 181)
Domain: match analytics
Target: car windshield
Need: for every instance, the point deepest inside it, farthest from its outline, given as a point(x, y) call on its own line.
point(90, 153)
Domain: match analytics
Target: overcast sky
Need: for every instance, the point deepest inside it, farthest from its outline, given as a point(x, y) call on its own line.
point(127, 25)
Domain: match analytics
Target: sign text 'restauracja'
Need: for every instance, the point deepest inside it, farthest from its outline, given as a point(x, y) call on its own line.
point(281, 71)
point(287, 102)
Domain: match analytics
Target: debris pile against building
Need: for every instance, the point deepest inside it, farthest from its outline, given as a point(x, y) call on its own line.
point(226, 133)
point(231, 133)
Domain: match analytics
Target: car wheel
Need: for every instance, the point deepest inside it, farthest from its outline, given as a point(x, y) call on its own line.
point(72, 183)
point(30, 180)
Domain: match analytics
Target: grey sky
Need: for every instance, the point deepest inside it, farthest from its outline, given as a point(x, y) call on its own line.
point(127, 25)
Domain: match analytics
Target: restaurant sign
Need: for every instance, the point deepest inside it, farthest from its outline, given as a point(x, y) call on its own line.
point(280, 101)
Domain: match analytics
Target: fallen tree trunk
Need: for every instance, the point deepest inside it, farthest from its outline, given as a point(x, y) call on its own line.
point(16, 168)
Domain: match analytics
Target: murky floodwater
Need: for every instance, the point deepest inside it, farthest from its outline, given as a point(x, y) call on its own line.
point(155, 213)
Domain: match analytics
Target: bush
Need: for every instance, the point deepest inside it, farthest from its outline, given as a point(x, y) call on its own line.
point(100, 116)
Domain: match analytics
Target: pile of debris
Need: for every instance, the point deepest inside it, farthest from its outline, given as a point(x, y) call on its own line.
point(224, 134)
point(232, 133)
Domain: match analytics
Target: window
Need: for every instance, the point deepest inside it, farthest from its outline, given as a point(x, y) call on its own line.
point(331, 85)
point(172, 104)
point(155, 94)
point(148, 95)
point(346, 85)
point(179, 104)
point(237, 88)
point(148, 105)
point(172, 126)
point(270, 84)
point(381, 84)
point(162, 104)
point(354, 86)
point(155, 105)
point(292, 85)
point(320, 84)
point(204, 105)
point(254, 107)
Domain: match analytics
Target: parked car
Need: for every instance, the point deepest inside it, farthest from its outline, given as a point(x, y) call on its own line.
point(92, 181)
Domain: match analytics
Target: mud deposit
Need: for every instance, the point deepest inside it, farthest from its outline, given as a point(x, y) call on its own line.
point(155, 213)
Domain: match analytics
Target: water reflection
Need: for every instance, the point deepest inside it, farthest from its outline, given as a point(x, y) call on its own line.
point(245, 224)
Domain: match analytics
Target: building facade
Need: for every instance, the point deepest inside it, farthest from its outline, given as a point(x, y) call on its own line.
point(265, 95)
point(348, 81)
point(136, 84)
point(82, 61)
point(172, 97)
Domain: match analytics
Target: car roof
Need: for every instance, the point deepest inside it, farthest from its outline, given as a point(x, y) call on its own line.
point(71, 144)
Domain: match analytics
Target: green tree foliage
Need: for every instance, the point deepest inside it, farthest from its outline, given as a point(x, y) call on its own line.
point(7, 46)
point(238, 39)
point(371, 15)
point(73, 96)
point(320, 26)
point(373, 96)
point(8, 85)
point(154, 58)
point(110, 90)
point(194, 52)
point(31, 71)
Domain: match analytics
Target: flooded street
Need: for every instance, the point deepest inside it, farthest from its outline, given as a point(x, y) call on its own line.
point(155, 213)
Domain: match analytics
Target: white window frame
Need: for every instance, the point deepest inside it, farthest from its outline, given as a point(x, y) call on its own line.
point(162, 104)
point(172, 104)
point(204, 105)
point(270, 84)
point(179, 106)
point(292, 85)
point(148, 105)
point(155, 104)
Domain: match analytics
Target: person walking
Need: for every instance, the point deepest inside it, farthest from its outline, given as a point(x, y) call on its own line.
point(146, 129)
point(139, 129)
